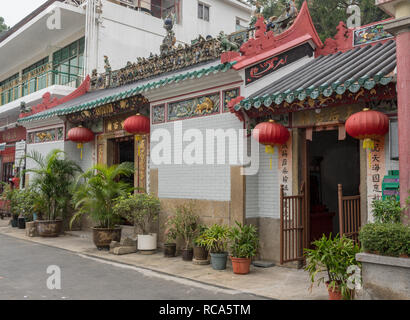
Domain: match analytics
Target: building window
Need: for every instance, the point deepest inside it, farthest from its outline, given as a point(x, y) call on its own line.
point(394, 140)
point(9, 89)
point(240, 25)
point(68, 63)
point(203, 11)
point(34, 77)
point(162, 8)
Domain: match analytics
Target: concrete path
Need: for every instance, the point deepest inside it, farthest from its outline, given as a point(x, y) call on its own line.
point(275, 282)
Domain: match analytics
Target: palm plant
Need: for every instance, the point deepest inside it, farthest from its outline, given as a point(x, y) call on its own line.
point(96, 191)
point(53, 178)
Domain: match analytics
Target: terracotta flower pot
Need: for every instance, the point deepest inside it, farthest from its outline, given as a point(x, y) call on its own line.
point(334, 293)
point(241, 265)
point(102, 237)
point(49, 228)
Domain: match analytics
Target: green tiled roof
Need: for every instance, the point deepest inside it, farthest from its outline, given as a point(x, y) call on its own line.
point(337, 73)
point(93, 103)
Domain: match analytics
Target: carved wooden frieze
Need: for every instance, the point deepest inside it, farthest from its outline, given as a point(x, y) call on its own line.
point(137, 103)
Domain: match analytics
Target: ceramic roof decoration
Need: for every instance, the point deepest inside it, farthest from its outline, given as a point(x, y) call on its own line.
point(100, 97)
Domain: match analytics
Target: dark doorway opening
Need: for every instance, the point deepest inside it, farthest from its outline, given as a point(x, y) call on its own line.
point(330, 162)
point(123, 151)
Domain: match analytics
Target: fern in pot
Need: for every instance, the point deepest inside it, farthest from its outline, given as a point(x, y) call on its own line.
point(142, 210)
point(215, 240)
point(244, 242)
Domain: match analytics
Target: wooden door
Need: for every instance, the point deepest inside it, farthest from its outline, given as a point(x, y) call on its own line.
point(293, 219)
point(349, 215)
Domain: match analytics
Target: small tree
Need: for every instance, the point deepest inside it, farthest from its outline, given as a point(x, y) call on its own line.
point(140, 208)
point(185, 223)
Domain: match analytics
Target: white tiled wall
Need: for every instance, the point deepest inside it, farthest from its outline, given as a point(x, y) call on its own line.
point(210, 182)
point(262, 190)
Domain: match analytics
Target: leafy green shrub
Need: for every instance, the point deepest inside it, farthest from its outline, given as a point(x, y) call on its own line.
point(96, 192)
point(335, 256)
point(141, 209)
point(215, 238)
point(184, 224)
point(201, 230)
point(390, 239)
point(387, 211)
point(52, 182)
point(244, 240)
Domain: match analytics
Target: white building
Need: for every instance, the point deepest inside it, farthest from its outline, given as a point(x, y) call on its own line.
point(53, 48)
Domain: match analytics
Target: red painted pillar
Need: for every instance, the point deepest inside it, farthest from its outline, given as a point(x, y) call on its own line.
point(403, 100)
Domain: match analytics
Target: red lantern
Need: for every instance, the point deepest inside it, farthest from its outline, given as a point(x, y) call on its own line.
point(80, 135)
point(367, 125)
point(271, 134)
point(138, 125)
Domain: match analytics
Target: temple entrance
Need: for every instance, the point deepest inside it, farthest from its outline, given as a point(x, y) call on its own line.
point(123, 151)
point(330, 162)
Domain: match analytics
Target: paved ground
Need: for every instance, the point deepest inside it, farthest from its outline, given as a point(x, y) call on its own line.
point(274, 283)
point(23, 276)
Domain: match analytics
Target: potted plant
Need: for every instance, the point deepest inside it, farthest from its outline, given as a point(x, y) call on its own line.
point(95, 193)
point(200, 251)
point(53, 178)
point(141, 209)
point(244, 243)
point(185, 223)
point(334, 256)
point(215, 240)
point(12, 197)
point(170, 246)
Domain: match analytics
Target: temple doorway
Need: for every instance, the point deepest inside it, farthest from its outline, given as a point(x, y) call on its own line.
point(330, 162)
point(123, 151)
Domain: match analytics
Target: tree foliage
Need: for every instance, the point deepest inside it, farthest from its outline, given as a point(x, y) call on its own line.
point(326, 14)
point(3, 26)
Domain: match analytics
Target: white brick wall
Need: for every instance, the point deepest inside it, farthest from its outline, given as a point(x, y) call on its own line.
point(262, 190)
point(210, 182)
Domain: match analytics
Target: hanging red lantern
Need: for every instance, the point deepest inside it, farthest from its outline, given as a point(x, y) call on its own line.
point(138, 125)
point(367, 125)
point(80, 135)
point(271, 134)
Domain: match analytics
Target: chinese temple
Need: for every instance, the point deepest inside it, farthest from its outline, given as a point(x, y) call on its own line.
point(326, 115)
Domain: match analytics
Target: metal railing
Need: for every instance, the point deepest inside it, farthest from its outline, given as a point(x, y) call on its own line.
point(38, 79)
